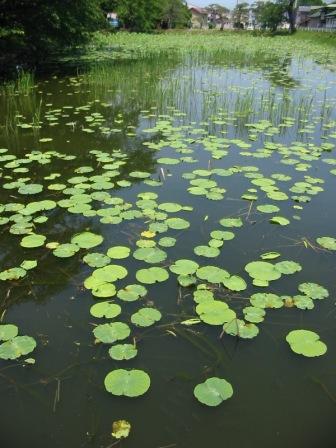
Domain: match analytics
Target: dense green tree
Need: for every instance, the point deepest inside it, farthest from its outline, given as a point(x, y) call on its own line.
point(269, 15)
point(217, 12)
point(38, 27)
point(175, 14)
point(309, 3)
point(140, 15)
point(240, 15)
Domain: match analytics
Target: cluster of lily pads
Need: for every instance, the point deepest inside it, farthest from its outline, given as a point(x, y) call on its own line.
point(13, 346)
point(94, 193)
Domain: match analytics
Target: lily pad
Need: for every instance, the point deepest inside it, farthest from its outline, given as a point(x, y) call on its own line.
point(87, 240)
point(109, 333)
point(105, 309)
point(313, 290)
point(16, 347)
point(306, 343)
point(213, 391)
point(130, 383)
point(152, 275)
point(121, 352)
point(214, 312)
point(146, 317)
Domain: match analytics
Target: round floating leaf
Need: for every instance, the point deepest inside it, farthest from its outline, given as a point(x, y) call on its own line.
point(109, 333)
point(280, 220)
point(288, 267)
point(270, 255)
point(87, 240)
point(235, 283)
point(122, 352)
point(8, 331)
point(152, 275)
point(30, 189)
point(213, 391)
point(177, 223)
point(202, 295)
point(253, 314)
point(118, 252)
point(184, 267)
point(33, 240)
point(206, 251)
point(131, 293)
point(131, 383)
point(212, 274)
point(28, 264)
point(222, 235)
point(150, 254)
point(327, 242)
point(231, 222)
point(170, 207)
point(65, 250)
point(146, 317)
point(105, 309)
point(96, 260)
point(214, 312)
point(262, 270)
point(167, 241)
point(313, 290)
point(266, 300)
point(16, 347)
point(306, 343)
point(237, 327)
point(12, 274)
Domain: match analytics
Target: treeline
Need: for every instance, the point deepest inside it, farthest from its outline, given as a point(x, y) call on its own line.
point(32, 30)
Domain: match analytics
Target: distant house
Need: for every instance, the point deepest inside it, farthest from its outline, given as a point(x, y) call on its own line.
point(302, 16)
point(331, 20)
point(321, 16)
point(112, 19)
point(199, 17)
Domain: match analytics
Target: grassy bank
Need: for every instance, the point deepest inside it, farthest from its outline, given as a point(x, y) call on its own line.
point(319, 46)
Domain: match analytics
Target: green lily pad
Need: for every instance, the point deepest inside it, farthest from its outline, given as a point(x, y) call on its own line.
point(8, 331)
point(184, 267)
point(33, 240)
point(130, 383)
point(109, 333)
point(105, 309)
point(266, 300)
point(235, 283)
point(262, 270)
point(96, 260)
point(206, 251)
point(212, 274)
point(213, 391)
point(214, 312)
point(87, 240)
point(16, 347)
point(306, 343)
point(146, 317)
point(118, 252)
point(313, 290)
point(122, 352)
point(131, 293)
point(231, 222)
point(152, 275)
point(65, 250)
point(237, 327)
point(150, 254)
point(327, 242)
point(288, 267)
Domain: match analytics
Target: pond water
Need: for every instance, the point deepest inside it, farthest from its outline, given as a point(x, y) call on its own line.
point(171, 147)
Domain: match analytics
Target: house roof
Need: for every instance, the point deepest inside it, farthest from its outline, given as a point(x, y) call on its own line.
point(197, 9)
point(304, 8)
point(315, 15)
point(331, 14)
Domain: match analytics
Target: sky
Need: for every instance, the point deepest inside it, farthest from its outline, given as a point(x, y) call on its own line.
point(228, 3)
